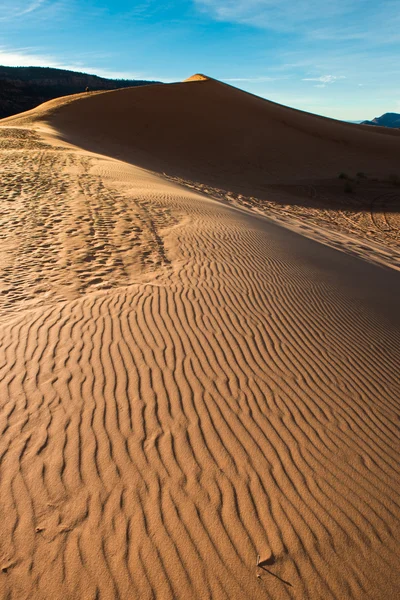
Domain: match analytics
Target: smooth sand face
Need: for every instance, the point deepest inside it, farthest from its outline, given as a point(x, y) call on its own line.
point(187, 389)
point(208, 130)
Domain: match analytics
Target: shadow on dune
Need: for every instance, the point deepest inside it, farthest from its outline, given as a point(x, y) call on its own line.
point(209, 132)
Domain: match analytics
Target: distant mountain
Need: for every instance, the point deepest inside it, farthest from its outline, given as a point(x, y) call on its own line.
point(386, 120)
point(23, 88)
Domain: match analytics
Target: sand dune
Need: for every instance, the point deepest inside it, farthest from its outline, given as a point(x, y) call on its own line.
point(237, 147)
point(205, 129)
point(196, 403)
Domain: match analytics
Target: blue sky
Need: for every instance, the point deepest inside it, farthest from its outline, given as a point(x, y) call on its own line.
point(339, 58)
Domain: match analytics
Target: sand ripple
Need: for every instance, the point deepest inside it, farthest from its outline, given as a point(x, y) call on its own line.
point(239, 405)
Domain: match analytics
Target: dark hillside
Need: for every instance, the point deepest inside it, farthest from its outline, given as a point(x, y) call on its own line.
point(386, 120)
point(23, 88)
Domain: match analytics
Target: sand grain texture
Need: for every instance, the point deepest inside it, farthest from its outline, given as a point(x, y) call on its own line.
point(196, 403)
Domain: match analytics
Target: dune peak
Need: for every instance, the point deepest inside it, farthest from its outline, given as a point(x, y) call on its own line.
point(198, 77)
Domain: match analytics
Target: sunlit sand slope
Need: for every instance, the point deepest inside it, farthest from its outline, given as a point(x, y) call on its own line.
point(195, 403)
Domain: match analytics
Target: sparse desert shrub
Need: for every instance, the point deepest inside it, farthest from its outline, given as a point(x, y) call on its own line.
point(361, 175)
point(394, 179)
point(343, 176)
point(348, 188)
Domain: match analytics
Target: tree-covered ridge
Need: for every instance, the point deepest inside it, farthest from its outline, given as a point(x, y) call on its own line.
point(23, 88)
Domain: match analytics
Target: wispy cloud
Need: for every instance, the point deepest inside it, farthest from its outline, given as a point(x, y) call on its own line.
point(24, 58)
point(12, 10)
point(275, 14)
point(30, 8)
point(324, 79)
point(27, 57)
point(341, 20)
point(308, 63)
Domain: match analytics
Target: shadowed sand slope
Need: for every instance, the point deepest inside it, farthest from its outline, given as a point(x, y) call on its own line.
point(205, 129)
point(195, 403)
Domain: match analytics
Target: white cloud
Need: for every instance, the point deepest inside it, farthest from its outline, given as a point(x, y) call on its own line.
point(17, 8)
point(332, 20)
point(24, 57)
point(324, 79)
point(31, 7)
point(276, 14)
